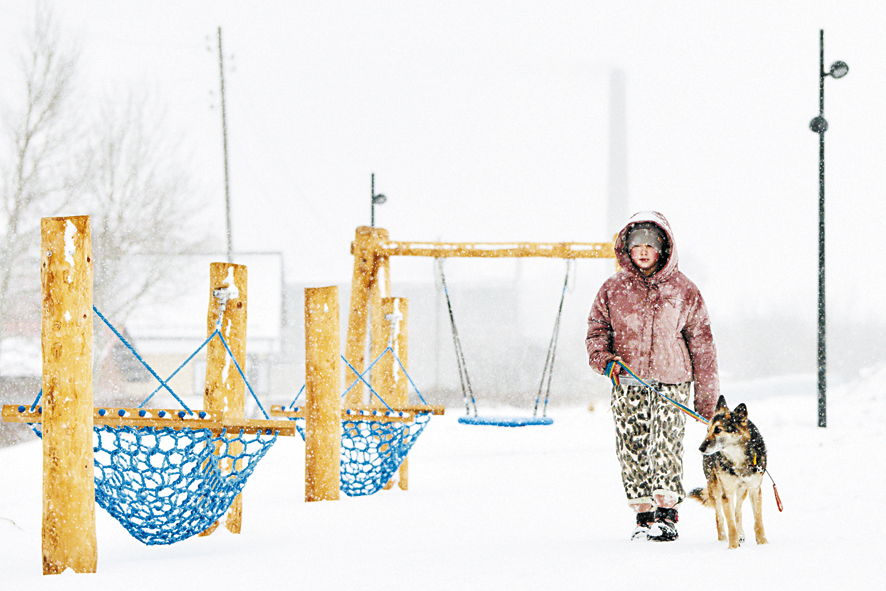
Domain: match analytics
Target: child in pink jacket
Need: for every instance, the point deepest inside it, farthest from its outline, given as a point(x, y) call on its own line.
point(652, 317)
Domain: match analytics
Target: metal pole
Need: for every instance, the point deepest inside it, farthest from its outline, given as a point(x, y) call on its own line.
point(822, 343)
point(372, 200)
point(221, 69)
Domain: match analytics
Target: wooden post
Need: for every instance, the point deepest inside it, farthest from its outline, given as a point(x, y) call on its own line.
point(394, 383)
point(401, 382)
point(365, 248)
point(225, 390)
point(384, 373)
point(66, 337)
point(379, 332)
point(322, 395)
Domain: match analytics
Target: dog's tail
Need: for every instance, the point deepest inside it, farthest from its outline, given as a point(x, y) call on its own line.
point(702, 495)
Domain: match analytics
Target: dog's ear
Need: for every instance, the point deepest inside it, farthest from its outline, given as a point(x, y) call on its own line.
point(721, 403)
point(740, 412)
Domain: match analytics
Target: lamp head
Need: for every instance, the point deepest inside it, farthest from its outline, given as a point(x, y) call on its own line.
point(378, 199)
point(839, 69)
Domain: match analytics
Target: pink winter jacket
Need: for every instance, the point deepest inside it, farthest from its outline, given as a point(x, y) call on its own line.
point(658, 325)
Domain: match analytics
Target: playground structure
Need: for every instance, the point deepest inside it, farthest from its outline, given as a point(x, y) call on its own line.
point(68, 422)
point(371, 284)
point(67, 419)
point(211, 445)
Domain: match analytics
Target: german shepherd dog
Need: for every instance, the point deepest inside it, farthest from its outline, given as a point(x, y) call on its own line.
point(734, 463)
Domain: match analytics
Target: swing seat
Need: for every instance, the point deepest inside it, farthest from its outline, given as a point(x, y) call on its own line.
point(506, 421)
point(546, 374)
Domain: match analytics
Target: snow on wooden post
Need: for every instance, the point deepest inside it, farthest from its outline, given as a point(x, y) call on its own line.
point(367, 262)
point(68, 530)
point(394, 383)
point(225, 390)
point(322, 394)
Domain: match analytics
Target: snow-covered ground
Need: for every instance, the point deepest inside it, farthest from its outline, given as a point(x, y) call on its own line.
point(498, 508)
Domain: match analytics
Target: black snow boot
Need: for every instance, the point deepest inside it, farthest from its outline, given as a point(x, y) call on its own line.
point(644, 521)
point(664, 529)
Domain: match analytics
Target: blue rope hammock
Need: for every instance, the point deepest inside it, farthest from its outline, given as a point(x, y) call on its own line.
point(372, 450)
point(164, 484)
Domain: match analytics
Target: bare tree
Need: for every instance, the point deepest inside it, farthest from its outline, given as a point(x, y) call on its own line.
point(141, 203)
point(36, 170)
point(36, 133)
point(125, 169)
point(143, 212)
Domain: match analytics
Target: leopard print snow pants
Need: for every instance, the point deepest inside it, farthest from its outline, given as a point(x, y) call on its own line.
point(649, 440)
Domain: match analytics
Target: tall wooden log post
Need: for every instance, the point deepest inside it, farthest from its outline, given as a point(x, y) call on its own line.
point(66, 337)
point(225, 390)
point(367, 262)
point(379, 327)
point(322, 395)
point(393, 384)
point(383, 333)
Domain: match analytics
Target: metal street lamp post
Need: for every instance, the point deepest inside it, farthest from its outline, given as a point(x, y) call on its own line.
point(376, 200)
point(819, 125)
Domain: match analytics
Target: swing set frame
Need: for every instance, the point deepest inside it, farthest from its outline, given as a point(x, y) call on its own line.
point(370, 285)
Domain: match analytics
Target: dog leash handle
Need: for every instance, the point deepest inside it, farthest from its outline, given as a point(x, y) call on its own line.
point(775, 490)
point(610, 373)
point(777, 498)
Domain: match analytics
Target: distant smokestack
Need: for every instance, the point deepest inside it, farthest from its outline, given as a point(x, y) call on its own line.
point(617, 210)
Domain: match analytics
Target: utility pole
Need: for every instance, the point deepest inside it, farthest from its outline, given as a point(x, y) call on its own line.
point(221, 70)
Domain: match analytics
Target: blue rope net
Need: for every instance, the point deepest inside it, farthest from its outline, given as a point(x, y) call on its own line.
point(372, 450)
point(165, 485)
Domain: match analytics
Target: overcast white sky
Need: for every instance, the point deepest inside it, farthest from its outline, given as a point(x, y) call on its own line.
point(489, 121)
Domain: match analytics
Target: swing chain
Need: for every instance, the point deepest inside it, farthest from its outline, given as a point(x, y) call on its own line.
point(466, 389)
point(548, 371)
